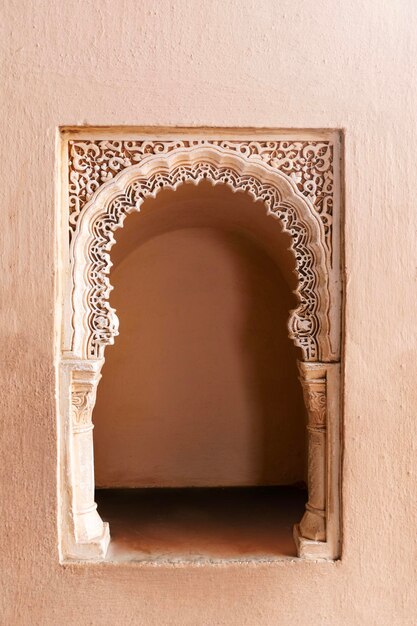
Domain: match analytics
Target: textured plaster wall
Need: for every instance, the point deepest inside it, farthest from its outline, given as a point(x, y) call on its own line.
point(287, 64)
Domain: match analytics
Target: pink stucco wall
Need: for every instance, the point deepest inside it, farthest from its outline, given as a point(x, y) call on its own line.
point(349, 65)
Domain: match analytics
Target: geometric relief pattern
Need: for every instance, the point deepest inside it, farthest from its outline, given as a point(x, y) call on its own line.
point(304, 322)
point(309, 164)
point(294, 181)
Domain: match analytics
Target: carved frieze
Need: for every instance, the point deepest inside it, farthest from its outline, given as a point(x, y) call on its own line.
point(308, 163)
point(307, 321)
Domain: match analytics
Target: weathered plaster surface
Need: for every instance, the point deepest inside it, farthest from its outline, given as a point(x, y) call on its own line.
point(242, 63)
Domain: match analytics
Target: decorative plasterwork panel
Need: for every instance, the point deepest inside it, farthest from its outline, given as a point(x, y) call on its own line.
point(308, 323)
point(308, 163)
point(297, 182)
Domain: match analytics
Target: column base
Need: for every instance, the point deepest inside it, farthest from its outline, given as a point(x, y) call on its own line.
point(309, 548)
point(93, 549)
point(313, 524)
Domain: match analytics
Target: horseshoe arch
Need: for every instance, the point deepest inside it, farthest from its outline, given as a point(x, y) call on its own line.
point(91, 324)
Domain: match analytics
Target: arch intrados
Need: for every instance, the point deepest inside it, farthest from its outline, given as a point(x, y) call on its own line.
point(206, 205)
point(125, 193)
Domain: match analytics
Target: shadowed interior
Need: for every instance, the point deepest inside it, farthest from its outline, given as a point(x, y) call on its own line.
point(201, 388)
point(212, 524)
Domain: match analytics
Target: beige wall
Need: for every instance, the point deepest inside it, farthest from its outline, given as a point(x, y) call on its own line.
point(349, 65)
point(201, 387)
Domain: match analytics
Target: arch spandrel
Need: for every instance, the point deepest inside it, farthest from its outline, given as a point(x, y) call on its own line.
point(94, 321)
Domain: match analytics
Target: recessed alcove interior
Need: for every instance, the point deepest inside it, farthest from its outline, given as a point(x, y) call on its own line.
point(199, 440)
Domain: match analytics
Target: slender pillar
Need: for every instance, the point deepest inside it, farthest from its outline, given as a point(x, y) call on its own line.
point(313, 380)
point(90, 531)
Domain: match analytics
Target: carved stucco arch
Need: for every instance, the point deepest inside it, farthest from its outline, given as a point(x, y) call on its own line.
point(94, 325)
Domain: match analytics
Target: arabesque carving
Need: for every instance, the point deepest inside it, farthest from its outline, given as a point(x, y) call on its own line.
point(293, 181)
point(305, 322)
point(83, 400)
point(308, 163)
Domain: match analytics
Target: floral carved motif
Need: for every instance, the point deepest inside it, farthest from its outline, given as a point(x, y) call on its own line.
point(82, 403)
point(304, 323)
point(315, 400)
point(308, 163)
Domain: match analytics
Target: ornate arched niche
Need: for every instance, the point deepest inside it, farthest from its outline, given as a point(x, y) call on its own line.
point(295, 182)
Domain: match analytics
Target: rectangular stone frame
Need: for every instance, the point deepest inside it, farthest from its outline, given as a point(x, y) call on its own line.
point(82, 534)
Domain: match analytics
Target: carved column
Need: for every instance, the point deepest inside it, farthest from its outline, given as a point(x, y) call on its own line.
point(314, 383)
point(88, 525)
